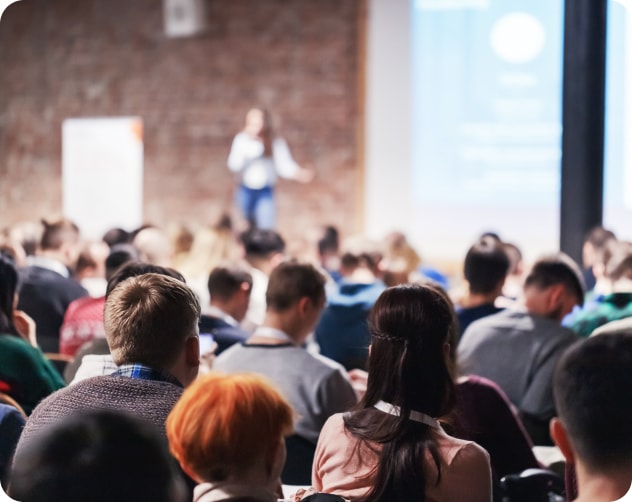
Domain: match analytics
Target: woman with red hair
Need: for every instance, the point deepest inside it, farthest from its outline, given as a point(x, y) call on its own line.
point(227, 432)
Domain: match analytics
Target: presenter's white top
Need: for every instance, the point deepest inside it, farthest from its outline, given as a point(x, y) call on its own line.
point(256, 171)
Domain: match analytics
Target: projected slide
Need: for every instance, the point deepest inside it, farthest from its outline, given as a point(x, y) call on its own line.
point(487, 83)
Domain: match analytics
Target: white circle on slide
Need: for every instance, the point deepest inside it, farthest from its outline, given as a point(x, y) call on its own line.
point(518, 37)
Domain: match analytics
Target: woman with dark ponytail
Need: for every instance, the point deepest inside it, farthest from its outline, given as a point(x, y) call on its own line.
point(391, 448)
point(25, 374)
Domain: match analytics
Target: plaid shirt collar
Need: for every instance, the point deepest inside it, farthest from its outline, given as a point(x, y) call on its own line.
point(143, 372)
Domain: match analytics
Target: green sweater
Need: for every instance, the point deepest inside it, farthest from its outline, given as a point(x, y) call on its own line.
point(25, 373)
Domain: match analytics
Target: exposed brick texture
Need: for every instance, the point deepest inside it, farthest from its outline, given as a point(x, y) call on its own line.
point(83, 58)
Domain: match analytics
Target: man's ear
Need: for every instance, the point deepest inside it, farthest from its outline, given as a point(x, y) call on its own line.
point(192, 351)
point(558, 433)
point(303, 304)
point(555, 296)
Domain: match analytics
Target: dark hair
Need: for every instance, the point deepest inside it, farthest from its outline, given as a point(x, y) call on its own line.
point(291, 281)
point(260, 243)
point(96, 455)
point(226, 279)
point(116, 236)
point(57, 233)
point(558, 268)
point(408, 368)
point(329, 240)
point(9, 286)
point(486, 266)
point(120, 254)
point(134, 269)
point(591, 386)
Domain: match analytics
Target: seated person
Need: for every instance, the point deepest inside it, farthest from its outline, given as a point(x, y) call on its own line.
point(25, 373)
point(342, 331)
point(11, 425)
point(229, 287)
point(96, 455)
point(227, 432)
point(485, 269)
point(391, 447)
point(593, 425)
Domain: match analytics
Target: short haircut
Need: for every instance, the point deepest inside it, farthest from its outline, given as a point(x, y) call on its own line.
point(486, 265)
point(360, 251)
point(261, 243)
point(96, 455)
point(134, 269)
point(598, 236)
point(592, 384)
point(618, 260)
point(116, 236)
point(148, 319)
point(224, 423)
point(558, 268)
point(329, 240)
point(57, 233)
point(291, 281)
point(120, 254)
point(226, 279)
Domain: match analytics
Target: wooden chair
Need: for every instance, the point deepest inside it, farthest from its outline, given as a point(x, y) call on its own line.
point(7, 399)
point(59, 361)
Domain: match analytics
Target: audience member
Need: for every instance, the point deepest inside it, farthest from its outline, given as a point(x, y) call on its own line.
point(151, 328)
point(94, 358)
point(264, 250)
point(618, 303)
point(316, 386)
point(83, 320)
point(591, 383)
point(154, 246)
point(11, 425)
point(97, 455)
point(342, 331)
point(116, 236)
point(391, 447)
point(328, 245)
point(512, 290)
point(229, 287)
point(90, 268)
point(485, 269)
point(594, 241)
point(227, 432)
point(47, 286)
point(25, 374)
point(518, 349)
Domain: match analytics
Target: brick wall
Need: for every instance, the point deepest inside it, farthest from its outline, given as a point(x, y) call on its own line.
point(82, 58)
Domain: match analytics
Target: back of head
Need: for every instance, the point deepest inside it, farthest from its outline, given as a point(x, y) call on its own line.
point(227, 279)
point(408, 367)
point(619, 260)
point(359, 251)
point(291, 281)
point(9, 283)
point(58, 233)
point(120, 254)
point(136, 268)
point(154, 246)
point(116, 236)
point(592, 385)
point(260, 243)
point(224, 424)
point(594, 242)
point(486, 266)
point(98, 455)
point(148, 319)
point(329, 241)
point(558, 268)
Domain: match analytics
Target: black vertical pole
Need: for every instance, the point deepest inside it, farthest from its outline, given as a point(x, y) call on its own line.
point(583, 121)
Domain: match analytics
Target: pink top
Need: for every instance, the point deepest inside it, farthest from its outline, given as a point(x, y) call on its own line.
point(465, 469)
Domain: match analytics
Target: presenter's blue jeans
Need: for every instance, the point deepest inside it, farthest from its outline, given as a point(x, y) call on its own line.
point(257, 206)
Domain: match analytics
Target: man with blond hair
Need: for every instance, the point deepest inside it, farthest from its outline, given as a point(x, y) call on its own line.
point(151, 325)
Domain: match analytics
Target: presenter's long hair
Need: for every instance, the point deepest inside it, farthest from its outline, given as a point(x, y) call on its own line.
point(408, 367)
point(8, 288)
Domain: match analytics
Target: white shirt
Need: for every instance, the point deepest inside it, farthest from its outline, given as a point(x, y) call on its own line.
point(256, 171)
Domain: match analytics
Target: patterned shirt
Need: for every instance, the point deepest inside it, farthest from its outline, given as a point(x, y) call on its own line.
point(611, 307)
point(143, 372)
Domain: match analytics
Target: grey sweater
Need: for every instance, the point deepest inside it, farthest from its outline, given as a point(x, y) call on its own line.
point(146, 399)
